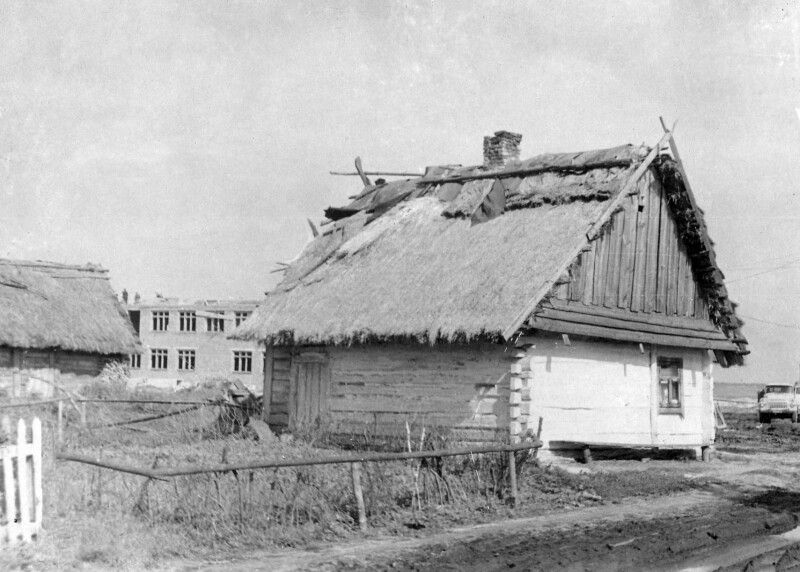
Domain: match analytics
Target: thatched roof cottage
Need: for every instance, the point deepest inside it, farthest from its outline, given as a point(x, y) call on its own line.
point(58, 323)
point(579, 288)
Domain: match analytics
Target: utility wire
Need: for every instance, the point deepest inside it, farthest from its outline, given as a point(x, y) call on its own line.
point(793, 326)
point(785, 266)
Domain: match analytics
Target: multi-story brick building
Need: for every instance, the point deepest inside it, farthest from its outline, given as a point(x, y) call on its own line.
point(187, 341)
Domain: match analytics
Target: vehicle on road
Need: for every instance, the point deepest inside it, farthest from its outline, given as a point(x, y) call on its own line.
point(778, 400)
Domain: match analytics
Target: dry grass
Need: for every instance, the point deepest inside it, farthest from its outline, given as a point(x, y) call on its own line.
point(96, 517)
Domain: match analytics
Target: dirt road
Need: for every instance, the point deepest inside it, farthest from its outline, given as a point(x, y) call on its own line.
point(739, 501)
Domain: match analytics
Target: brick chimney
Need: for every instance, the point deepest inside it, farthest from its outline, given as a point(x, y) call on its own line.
point(500, 150)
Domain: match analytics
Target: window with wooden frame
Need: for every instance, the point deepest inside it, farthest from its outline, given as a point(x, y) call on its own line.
point(240, 317)
point(160, 321)
point(670, 385)
point(243, 361)
point(187, 321)
point(135, 361)
point(216, 324)
point(186, 360)
point(158, 358)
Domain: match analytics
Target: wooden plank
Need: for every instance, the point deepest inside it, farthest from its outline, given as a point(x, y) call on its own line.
point(653, 231)
point(293, 398)
point(9, 484)
point(680, 280)
point(689, 287)
point(629, 335)
point(577, 276)
point(588, 273)
point(37, 474)
point(23, 478)
point(600, 265)
point(672, 267)
point(628, 255)
point(640, 251)
point(611, 294)
point(663, 256)
point(657, 319)
point(267, 386)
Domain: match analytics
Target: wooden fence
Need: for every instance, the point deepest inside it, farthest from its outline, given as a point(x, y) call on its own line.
point(21, 507)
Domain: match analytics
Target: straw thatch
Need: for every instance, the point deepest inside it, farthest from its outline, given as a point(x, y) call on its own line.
point(46, 305)
point(455, 255)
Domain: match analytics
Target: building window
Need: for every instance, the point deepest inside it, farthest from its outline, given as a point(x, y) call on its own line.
point(186, 360)
point(135, 361)
point(670, 390)
point(215, 324)
point(158, 359)
point(243, 362)
point(160, 321)
point(240, 317)
point(187, 321)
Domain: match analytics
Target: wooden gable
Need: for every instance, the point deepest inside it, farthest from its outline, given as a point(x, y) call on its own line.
point(634, 282)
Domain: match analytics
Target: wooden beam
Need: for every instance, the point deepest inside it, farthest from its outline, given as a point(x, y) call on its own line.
point(639, 317)
point(377, 173)
point(622, 324)
point(592, 331)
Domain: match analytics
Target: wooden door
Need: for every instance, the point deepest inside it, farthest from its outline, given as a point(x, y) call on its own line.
point(309, 390)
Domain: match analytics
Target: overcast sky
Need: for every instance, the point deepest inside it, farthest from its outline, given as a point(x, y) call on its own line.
point(182, 145)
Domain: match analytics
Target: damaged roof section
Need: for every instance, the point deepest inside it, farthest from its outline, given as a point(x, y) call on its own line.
point(461, 252)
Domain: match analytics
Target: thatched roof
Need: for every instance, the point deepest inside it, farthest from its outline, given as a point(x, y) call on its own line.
point(51, 305)
point(455, 255)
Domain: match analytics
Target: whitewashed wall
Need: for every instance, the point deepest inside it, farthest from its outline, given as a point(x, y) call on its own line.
point(604, 392)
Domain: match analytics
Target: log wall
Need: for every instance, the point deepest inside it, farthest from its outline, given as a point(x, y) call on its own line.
point(376, 389)
point(24, 368)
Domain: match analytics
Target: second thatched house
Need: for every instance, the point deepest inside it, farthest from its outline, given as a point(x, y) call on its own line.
point(59, 324)
point(576, 288)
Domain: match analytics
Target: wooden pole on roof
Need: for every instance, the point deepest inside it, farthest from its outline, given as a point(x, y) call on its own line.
point(360, 169)
point(377, 173)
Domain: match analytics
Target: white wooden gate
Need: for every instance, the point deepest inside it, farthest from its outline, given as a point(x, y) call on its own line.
point(21, 480)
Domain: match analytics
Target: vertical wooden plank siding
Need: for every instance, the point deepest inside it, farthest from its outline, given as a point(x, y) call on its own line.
point(664, 236)
point(671, 254)
point(628, 257)
point(600, 266)
point(588, 270)
point(689, 291)
point(577, 278)
point(640, 263)
point(653, 230)
point(610, 298)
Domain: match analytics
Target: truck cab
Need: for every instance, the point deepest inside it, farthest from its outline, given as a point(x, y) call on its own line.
point(778, 400)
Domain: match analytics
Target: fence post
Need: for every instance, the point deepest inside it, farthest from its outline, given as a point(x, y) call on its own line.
point(38, 500)
point(9, 486)
point(15, 383)
point(60, 421)
point(359, 494)
point(83, 414)
point(23, 479)
point(512, 474)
